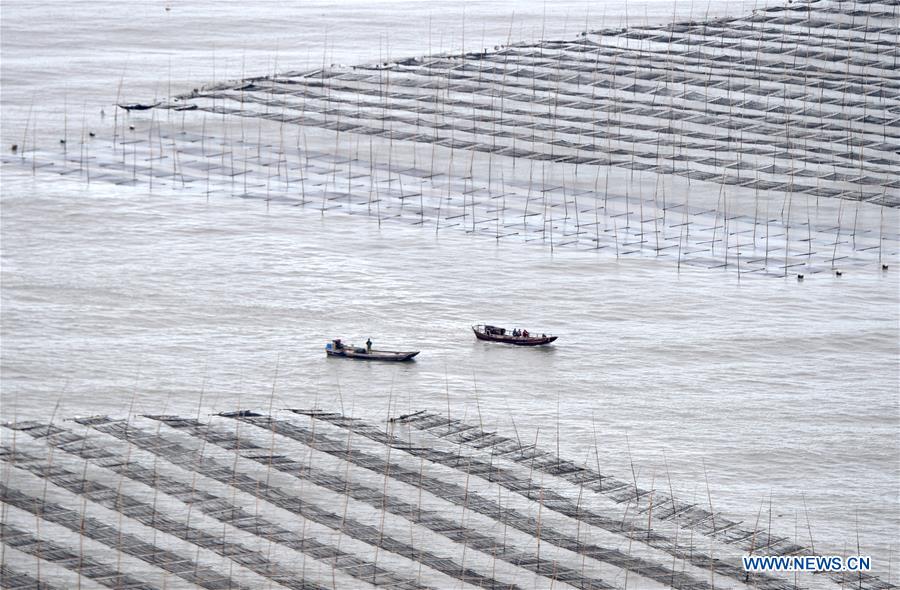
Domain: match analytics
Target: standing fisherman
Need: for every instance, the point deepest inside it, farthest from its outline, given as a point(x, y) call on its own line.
point(369, 345)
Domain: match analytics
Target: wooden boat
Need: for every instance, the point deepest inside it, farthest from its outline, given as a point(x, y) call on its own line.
point(495, 334)
point(338, 348)
point(138, 106)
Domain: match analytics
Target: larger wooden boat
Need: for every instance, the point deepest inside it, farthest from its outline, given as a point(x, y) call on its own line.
point(495, 334)
point(338, 348)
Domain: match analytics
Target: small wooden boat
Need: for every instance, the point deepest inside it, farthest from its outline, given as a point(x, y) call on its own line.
point(495, 334)
point(338, 348)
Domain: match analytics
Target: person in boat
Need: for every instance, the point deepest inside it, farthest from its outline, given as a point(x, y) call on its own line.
point(338, 345)
point(525, 333)
point(368, 345)
point(516, 333)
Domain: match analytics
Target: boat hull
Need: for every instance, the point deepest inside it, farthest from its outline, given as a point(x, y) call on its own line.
point(375, 355)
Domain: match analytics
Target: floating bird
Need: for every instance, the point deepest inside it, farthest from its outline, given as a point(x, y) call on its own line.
point(799, 277)
point(15, 147)
point(883, 266)
point(131, 127)
point(92, 134)
point(62, 141)
point(837, 273)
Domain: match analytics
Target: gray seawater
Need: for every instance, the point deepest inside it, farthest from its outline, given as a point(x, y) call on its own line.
point(115, 300)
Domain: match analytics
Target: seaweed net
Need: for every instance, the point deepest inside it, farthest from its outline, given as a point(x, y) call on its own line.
point(84, 565)
point(561, 549)
point(14, 580)
point(793, 104)
point(144, 513)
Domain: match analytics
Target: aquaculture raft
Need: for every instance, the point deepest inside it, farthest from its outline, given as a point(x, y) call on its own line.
point(533, 528)
point(697, 142)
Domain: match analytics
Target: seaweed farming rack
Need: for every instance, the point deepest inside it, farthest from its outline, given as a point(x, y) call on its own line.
point(310, 499)
point(762, 144)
